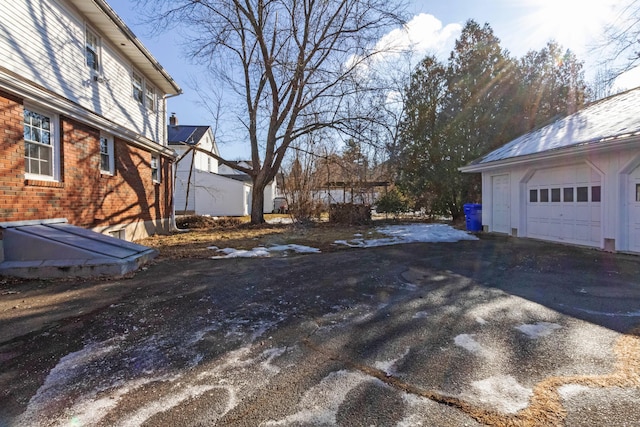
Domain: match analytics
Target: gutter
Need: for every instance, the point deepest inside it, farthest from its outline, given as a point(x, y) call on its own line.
point(604, 144)
point(131, 36)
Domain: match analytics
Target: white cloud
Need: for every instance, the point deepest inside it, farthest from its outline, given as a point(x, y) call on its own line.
point(423, 34)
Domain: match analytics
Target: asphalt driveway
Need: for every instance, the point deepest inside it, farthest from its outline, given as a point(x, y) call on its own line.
point(497, 331)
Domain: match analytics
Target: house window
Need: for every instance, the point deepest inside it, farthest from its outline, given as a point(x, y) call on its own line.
point(637, 192)
point(544, 195)
point(118, 234)
point(595, 193)
point(533, 196)
point(106, 154)
point(582, 194)
point(39, 144)
point(155, 168)
point(92, 50)
point(138, 87)
point(568, 194)
point(150, 98)
point(555, 194)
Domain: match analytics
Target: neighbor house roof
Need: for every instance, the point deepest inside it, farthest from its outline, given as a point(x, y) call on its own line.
point(238, 177)
point(190, 134)
point(615, 118)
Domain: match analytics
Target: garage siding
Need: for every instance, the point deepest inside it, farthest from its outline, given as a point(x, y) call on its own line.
point(589, 200)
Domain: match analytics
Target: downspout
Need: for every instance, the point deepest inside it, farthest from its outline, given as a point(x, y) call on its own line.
point(172, 215)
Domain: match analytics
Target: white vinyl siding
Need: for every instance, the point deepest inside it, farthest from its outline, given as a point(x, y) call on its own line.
point(47, 45)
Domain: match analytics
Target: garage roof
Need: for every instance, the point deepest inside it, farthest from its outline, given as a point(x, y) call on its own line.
point(613, 118)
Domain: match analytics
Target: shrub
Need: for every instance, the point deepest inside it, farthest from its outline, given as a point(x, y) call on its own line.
point(393, 202)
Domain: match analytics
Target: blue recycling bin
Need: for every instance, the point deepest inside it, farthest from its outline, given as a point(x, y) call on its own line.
point(473, 215)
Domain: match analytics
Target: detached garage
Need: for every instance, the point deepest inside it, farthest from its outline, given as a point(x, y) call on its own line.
point(574, 181)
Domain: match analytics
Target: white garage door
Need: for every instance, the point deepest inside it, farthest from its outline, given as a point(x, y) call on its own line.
point(564, 205)
point(634, 210)
point(500, 212)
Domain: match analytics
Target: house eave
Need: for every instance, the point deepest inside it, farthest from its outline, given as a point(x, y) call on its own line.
point(561, 153)
point(51, 101)
point(107, 21)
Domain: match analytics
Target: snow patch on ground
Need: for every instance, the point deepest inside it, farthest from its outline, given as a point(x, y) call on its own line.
point(164, 404)
point(280, 220)
point(62, 377)
point(261, 251)
point(538, 330)
point(399, 234)
point(467, 342)
point(409, 233)
point(480, 320)
point(389, 366)
point(501, 392)
point(568, 391)
point(320, 404)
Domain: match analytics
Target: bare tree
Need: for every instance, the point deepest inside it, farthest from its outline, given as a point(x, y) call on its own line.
point(622, 40)
point(291, 64)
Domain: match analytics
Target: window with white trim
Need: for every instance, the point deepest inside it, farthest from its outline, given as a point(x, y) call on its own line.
point(155, 168)
point(40, 144)
point(92, 50)
point(107, 163)
point(138, 87)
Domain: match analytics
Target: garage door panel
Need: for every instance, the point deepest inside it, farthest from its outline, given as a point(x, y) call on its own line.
point(583, 230)
point(583, 213)
point(573, 217)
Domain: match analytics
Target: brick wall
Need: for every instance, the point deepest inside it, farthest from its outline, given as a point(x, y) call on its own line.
point(84, 196)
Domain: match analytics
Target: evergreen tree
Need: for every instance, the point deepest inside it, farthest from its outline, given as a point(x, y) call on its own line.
point(480, 100)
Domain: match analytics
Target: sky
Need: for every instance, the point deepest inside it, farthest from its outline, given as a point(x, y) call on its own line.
point(433, 26)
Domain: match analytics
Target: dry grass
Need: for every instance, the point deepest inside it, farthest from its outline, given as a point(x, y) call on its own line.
point(237, 233)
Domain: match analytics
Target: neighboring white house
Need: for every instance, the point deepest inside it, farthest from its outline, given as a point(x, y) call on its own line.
point(83, 120)
point(203, 186)
point(575, 181)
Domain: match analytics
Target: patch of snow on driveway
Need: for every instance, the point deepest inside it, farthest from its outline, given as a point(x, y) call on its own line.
point(501, 392)
point(320, 404)
point(409, 233)
point(539, 330)
point(467, 342)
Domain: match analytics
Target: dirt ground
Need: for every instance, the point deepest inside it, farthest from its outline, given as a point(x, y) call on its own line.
point(414, 334)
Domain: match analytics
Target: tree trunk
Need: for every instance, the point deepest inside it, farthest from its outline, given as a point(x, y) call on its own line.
point(257, 202)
